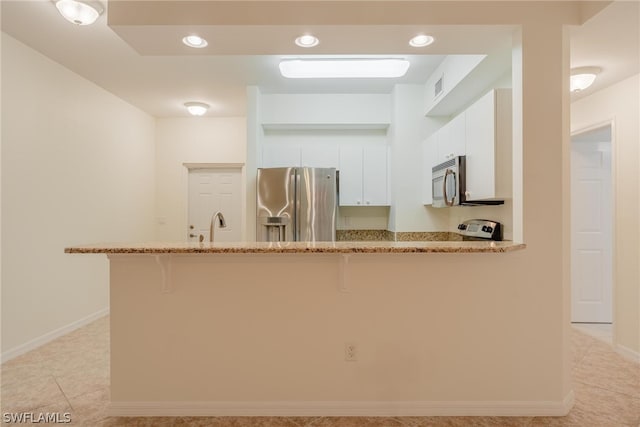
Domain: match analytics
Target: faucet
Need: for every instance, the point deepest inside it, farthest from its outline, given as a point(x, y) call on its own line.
point(221, 221)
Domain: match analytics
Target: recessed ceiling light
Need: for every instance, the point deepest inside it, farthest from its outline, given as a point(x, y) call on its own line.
point(583, 77)
point(421, 40)
point(196, 108)
point(307, 40)
point(79, 12)
point(343, 68)
point(195, 41)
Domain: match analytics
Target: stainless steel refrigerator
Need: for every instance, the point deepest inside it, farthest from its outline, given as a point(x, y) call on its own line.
point(297, 204)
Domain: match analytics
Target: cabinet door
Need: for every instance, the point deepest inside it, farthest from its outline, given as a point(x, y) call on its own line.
point(451, 139)
point(374, 182)
point(320, 156)
point(458, 135)
point(442, 140)
point(350, 166)
point(429, 159)
point(480, 148)
point(280, 156)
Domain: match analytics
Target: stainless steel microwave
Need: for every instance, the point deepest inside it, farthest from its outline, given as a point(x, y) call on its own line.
point(448, 182)
point(449, 185)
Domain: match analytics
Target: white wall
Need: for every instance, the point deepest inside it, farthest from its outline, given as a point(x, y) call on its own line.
point(77, 167)
point(620, 103)
point(190, 140)
point(406, 133)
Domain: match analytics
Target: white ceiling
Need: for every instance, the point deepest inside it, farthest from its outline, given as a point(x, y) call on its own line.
point(610, 40)
point(155, 72)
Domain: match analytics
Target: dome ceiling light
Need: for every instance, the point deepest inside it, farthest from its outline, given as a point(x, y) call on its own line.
point(421, 40)
point(196, 108)
point(79, 12)
point(307, 40)
point(583, 77)
point(195, 41)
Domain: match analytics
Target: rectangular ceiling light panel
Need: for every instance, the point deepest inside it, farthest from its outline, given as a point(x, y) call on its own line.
point(343, 68)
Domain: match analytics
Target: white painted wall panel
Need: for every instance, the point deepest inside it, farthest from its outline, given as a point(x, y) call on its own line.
point(77, 167)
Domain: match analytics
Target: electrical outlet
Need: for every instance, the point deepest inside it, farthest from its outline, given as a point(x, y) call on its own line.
point(350, 352)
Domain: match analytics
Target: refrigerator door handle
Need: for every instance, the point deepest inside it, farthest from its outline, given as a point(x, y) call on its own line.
point(295, 187)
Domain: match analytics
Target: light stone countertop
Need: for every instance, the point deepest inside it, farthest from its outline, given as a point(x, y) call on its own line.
point(370, 247)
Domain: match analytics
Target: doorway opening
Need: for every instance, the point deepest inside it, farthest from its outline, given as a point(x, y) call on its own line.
point(592, 230)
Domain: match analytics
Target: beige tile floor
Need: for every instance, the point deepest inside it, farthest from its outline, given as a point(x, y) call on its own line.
point(71, 374)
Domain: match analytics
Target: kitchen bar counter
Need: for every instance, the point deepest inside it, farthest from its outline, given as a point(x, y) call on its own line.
point(237, 329)
point(299, 247)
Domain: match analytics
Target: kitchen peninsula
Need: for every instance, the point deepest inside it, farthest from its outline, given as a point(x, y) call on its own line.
point(344, 328)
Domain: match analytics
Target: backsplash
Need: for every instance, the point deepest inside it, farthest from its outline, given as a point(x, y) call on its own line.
point(391, 236)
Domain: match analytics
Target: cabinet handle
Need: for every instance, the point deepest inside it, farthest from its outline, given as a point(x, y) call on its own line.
point(358, 202)
point(368, 202)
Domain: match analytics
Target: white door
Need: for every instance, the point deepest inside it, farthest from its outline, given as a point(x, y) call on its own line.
point(210, 191)
point(591, 227)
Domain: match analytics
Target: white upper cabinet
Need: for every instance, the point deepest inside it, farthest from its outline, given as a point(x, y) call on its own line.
point(316, 111)
point(451, 139)
point(351, 176)
point(489, 147)
point(320, 155)
point(429, 156)
point(280, 155)
point(481, 133)
point(374, 176)
point(363, 175)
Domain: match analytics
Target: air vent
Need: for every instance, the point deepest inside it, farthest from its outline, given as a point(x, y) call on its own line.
point(438, 87)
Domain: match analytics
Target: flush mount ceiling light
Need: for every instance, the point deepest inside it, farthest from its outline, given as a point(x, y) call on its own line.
point(79, 12)
point(307, 40)
point(195, 41)
point(343, 68)
point(196, 108)
point(583, 77)
point(421, 40)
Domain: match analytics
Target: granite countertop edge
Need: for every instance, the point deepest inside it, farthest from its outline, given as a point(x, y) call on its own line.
point(295, 247)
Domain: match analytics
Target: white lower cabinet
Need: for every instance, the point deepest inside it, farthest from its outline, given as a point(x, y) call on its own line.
point(363, 176)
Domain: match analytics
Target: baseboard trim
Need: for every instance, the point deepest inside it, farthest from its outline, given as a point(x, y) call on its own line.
point(627, 353)
point(50, 336)
point(341, 409)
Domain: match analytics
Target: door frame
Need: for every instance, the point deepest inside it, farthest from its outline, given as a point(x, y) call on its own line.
point(189, 166)
point(614, 198)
